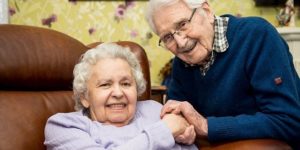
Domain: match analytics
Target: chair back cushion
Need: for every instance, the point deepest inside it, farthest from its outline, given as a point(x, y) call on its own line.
point(35, 58)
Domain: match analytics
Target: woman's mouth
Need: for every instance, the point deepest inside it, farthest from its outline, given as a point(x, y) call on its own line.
point(117, 106)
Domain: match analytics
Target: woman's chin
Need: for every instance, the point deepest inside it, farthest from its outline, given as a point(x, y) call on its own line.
point(119, 121)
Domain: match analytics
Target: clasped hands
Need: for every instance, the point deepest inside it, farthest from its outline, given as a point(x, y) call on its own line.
point(184, 121)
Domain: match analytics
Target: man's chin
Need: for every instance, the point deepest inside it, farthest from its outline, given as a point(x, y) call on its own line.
point(188, 57)
point(187, 61)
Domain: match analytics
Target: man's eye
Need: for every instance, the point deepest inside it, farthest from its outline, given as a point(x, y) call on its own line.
point(167, 38)
point(182, 25)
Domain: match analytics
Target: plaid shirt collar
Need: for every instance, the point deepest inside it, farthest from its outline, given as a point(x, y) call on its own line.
point(220, 40)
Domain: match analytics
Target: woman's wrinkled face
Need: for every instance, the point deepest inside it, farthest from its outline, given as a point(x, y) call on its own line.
point(112, 92)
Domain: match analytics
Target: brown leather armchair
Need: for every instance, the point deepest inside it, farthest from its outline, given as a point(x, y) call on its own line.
point(36, 67)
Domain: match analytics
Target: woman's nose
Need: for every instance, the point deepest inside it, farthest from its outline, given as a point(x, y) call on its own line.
point(117, 91)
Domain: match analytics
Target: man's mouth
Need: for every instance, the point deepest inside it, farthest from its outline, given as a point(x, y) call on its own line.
point(189, 46)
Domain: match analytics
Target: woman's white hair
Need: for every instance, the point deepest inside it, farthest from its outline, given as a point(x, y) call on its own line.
point(82, 70)
point(154, 5)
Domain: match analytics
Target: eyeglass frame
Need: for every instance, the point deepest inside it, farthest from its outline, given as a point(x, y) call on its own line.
point(177, 29)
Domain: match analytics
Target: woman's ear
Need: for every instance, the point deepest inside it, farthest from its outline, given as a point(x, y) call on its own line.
point(84, 102)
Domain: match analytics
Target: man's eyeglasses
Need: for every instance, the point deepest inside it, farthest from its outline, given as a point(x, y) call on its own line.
point(168, 39)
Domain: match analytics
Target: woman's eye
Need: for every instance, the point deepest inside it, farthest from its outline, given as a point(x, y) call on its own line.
point(104, 85)
point(126, 84)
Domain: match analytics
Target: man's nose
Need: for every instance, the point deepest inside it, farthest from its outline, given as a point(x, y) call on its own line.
point(180, 39)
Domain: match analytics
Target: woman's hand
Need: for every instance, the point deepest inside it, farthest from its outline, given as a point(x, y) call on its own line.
point(188, 137)
point(185, 109)
point(176, 123)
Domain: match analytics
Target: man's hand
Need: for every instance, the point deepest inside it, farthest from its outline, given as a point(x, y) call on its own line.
point(189, 113)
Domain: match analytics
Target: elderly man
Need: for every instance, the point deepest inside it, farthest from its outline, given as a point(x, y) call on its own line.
point(233, 78)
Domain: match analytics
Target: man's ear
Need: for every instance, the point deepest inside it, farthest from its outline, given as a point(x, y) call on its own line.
point(209, 13)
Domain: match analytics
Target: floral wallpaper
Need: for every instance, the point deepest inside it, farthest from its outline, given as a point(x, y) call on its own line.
point(90, 21)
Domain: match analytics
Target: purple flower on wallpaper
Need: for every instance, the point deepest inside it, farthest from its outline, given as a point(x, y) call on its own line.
point(121, 9)
point(134, 33)
point(48, 21)
point(119, 13)
point(129, 3)
point(12, 11)
point(92, 30)
point(73, 1)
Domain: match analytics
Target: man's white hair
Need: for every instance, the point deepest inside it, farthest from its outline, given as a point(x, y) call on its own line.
point(154, 5)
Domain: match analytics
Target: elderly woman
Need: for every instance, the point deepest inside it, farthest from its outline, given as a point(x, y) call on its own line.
point(107, 82)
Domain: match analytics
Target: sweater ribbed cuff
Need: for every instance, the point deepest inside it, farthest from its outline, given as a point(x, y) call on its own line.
point(160, 136)
point(220, 129)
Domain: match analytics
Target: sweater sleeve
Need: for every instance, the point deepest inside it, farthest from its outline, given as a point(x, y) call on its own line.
point(156, 136)
point(68, 131)
point(275, 86)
